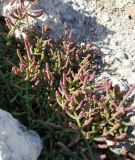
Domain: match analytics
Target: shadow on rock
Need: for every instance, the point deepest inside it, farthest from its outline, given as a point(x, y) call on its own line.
point(83, 24)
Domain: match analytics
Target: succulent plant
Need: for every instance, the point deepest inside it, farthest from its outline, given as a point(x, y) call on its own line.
point(54, 89)
point(20, 16)
point(68, 71)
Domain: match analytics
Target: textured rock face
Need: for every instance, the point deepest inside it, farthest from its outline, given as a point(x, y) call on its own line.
point(122, 3)
point(79, 21)
point(16, 142)
point(103, 22)
point(4, 3)
point(130, 10)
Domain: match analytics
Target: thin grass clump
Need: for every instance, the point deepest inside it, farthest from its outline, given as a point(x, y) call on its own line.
point(53, 89)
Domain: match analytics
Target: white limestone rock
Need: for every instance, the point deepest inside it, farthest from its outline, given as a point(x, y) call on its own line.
point(17, 142)
point(5, 7)
point(122, 84)
point(113, 32)
point(56, 12)
point(121, 3)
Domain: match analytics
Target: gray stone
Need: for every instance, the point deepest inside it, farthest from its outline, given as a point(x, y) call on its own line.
point(106, 18)
point(17, 142)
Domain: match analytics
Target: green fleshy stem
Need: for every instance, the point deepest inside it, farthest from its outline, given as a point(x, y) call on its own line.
point(11, 32)
point(80, 127)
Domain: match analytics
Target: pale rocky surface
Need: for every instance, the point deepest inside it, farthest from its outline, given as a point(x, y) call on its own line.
point(130, 10)
point(102, 21)
point(17, 142)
